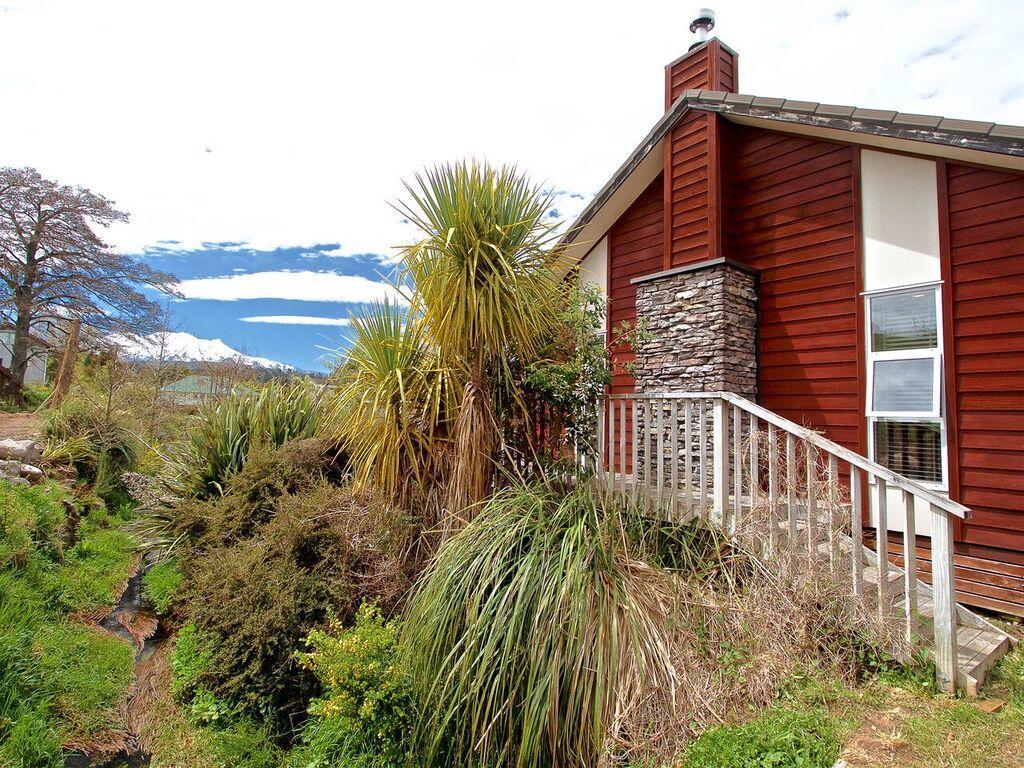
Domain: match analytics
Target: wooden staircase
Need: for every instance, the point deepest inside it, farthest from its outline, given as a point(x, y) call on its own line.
point(721, 458)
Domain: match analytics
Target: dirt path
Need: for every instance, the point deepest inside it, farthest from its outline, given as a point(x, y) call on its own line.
point(19, 426)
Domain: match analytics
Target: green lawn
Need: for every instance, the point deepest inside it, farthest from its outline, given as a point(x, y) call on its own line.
point(60, 680)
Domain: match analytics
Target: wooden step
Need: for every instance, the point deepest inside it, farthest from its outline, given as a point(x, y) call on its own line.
point(978, 650)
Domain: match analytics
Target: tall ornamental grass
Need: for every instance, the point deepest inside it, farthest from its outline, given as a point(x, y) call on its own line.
point(532, 627)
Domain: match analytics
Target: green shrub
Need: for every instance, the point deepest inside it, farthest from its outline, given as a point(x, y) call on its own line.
point(528, 623)
point(160, 583)
point(365, 717)
point(35, 395)
point(191, 658)
point(322, 549)
point(245, 744)
point(250, 495)
point(779, 738)
point(257, 604)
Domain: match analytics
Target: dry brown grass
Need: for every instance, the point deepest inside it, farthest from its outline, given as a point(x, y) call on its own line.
point(760, 613)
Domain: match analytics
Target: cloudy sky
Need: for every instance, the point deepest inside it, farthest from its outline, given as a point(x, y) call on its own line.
point(257, 144)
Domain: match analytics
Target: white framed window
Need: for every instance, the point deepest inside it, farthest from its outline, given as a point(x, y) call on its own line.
point(906, 428)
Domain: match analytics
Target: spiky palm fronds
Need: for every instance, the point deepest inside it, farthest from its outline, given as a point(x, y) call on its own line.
point(484, 269)
point(219, 442)
point(393, 403)
point(531, 627)
point(487, 286)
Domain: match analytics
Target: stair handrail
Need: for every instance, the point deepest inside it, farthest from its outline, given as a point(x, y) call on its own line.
point(818, 440)
point(944, 624)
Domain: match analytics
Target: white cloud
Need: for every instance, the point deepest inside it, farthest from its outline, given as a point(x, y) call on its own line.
point(297, 285)
point(313, 111)
point(295, 320)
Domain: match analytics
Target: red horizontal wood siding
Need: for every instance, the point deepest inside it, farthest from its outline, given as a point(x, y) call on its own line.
point(711, 67)
point(635, 248)
point(788, 211)
point(691, 184)
point(985, 210)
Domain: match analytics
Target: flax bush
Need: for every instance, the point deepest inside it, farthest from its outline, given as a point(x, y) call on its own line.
point(532, 626)
point(219, 442)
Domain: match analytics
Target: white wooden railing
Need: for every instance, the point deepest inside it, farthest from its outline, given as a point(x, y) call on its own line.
point(718, 456)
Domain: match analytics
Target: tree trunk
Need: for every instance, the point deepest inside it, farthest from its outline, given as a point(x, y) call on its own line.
point(20, 352)
point(474, 439)
point(66, 367)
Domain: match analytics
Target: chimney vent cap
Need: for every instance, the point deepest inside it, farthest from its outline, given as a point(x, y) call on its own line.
point(705, 21)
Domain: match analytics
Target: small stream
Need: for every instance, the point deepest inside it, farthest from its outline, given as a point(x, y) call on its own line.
point(125, 614)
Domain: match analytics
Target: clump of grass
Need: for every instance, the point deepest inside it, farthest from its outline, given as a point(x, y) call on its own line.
point(27, 733)
point(160, 583)
point(779, 738)
point(244, 744)
point(532, 627)
point(91, 574)
point(86, 673)
point(99, 443)
point(1009, 675)
point(218, 445)
point(59, 681)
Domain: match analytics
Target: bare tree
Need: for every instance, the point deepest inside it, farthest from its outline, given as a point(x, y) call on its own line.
point(54, 267)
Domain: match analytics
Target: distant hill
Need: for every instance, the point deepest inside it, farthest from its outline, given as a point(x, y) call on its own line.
point(185, 348)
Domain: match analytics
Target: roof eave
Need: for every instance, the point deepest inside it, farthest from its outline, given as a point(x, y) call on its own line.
point(998, 145)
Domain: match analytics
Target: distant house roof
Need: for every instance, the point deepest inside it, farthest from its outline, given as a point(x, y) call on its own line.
point(969, 140)
point(195, 389)
point(192, 384)
point(39, 342)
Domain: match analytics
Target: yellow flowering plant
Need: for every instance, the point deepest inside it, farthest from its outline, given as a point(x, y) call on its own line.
point(365, 715)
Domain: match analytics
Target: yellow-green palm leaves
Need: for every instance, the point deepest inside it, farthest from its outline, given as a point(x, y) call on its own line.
point(483, 271)
point(393, 402)
point(487, 289)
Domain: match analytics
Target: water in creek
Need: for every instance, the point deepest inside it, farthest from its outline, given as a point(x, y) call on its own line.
point(128, 615)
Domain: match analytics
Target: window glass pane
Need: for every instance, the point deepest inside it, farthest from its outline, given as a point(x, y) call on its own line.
point(904, 321)
point(913, 450)
point(903, 386)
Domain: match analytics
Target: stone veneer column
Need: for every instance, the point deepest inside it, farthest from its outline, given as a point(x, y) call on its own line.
point(702, 320)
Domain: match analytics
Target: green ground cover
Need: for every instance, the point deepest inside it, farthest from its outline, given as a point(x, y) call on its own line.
point(61, 680)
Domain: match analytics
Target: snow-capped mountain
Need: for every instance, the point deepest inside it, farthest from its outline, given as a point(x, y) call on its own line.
point(179, 346)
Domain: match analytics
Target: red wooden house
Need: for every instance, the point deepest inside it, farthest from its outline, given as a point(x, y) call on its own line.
point(886, 252)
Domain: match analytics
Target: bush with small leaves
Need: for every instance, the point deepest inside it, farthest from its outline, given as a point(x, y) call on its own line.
point(365, 717)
